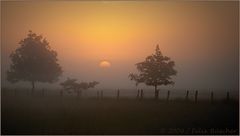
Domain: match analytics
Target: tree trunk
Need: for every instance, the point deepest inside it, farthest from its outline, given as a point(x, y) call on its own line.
point(33, 86)
point(156, 92)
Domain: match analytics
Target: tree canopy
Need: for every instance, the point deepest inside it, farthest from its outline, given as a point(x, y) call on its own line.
point(34, 61)
point(71, 84)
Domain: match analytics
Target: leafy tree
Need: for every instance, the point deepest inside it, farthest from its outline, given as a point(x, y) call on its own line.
point(155, 71)
point(71, 84)
point(34, 61)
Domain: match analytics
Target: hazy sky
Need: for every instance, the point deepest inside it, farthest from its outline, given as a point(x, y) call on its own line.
point(201, 37)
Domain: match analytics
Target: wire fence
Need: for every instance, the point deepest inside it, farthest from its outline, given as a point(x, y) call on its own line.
point(164, 94)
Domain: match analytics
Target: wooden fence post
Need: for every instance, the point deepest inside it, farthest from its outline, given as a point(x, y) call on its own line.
point(61, 93)
point(32, 92)
point(141, 96)
point(15, 92)
point(97, 94)
point(118, 93)
point(3, 92)
point(212, 97)
point(78, 93)
point(228, 98)
point(27, 93)
point(43, 92)
point(187, 94)
point(101, 94)
point(156, 94)
point(168, 95)
point(196, 96)
point(138, 91)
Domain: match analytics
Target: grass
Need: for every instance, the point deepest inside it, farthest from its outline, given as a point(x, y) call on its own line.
point(71, 115)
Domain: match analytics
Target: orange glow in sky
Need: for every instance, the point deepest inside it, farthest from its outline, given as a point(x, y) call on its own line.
point(198, 36)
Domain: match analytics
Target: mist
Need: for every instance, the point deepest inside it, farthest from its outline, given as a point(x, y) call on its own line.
point(202, 39)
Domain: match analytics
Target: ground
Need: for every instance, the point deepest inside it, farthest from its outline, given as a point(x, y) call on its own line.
point(72, 115)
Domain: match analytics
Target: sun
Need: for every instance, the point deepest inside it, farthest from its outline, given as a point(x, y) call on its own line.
point(104, 64)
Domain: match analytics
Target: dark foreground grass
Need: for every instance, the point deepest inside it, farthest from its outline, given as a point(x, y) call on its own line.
point(69, 115)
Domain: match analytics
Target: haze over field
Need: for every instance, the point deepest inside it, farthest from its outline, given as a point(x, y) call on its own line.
point(103, 40)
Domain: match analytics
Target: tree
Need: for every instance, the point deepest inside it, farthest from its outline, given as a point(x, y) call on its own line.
point(155, 71)
point(71, 84)
point(34, 61)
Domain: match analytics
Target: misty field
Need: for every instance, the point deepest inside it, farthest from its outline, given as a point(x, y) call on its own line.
point(26, 114)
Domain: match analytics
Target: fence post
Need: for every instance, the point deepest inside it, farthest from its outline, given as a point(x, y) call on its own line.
point(118, 93)
point(97, 94)
point(32, 92)
point(187, 94)
point(228, 98)
point(156, 94)
point(141, 94)
point(78, 93)
point(15, 92)
point(27, 93)
point(212, 97)
point(61, 92)
point(3, 92)
point(168, 95)
point(138, 91)
point(196, 96)
point(101, 94)
point(43, 92)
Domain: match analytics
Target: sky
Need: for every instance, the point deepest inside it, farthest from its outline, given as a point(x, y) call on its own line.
point(201, 37)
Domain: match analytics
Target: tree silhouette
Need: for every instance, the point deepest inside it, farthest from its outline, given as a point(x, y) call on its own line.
point(156, 70)
point(71, 84)
point(34, 61)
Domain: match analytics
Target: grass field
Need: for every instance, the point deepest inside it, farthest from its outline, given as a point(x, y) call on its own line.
point(71, 115)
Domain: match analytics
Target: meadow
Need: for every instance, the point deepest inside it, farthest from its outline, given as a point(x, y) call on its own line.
point(53, 114)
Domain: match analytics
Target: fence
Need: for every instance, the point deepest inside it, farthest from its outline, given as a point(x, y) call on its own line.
point(166, 95)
